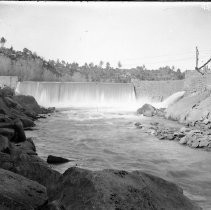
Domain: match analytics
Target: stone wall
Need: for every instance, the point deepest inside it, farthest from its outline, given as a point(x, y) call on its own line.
point(194, 81)
point(10, 81)
point(157, 90)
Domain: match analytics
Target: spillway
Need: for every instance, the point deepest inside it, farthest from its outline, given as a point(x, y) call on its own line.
point(80, 94)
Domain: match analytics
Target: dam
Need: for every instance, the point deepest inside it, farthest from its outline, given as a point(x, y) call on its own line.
point(124, 96)
point(79, 94)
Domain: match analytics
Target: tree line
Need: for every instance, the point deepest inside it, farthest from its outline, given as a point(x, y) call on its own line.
point(34, 67)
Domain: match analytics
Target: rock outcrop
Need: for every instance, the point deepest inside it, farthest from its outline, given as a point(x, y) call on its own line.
point(189, 136)
point(4, 144)
point(31, 167)
point(18, 153)
point(114, 189)
point(193, 111)
point(147, 110)
point(20, 107)
point(17, 192)
point(191, 108)
point(56, 160)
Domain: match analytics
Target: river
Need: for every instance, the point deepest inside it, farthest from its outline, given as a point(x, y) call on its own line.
point(97, 139)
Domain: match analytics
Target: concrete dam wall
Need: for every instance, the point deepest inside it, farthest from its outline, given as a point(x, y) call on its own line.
point(100, 95)
point(157, 90)
point(80, 94)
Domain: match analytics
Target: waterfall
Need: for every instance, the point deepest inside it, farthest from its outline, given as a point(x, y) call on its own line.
point(79, 94)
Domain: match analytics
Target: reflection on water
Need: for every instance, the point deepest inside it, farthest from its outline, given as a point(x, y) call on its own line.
point(97, 139)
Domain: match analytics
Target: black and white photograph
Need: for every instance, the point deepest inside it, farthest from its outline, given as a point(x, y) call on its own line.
point(105, 105)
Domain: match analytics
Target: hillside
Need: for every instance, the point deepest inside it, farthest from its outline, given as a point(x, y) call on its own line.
point(29, 66)
point(26, 65)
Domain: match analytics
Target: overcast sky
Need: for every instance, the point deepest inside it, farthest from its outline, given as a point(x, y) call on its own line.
point(154, 34)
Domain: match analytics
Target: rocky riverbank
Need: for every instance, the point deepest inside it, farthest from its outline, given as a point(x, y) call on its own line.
point(185, 135)
point(28, 182)
point(193, 112)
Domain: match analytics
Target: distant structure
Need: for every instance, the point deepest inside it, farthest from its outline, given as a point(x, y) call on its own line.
point(10, 81)
point(199, 69)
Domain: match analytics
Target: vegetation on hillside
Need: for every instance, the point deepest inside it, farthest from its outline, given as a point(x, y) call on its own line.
point(29, 66)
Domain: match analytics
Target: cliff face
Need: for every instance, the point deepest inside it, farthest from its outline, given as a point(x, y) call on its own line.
point(26, 66)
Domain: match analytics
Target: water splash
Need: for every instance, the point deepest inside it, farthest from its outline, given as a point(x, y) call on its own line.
point(170, 100)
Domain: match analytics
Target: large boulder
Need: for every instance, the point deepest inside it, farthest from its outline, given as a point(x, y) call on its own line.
point(10, 112)
point(8, 132)
point(19, 131)
point(31, 167)
point(113, 189)
point(56, 160)
point(5, 119)
point(13, 130)
point(7, 92)
point(147, 110)
point(28, 103)
point(27, 122)
point(11, 103)
point(17, 192)
point(4, 144)
point(3, 108)
point(27, 147)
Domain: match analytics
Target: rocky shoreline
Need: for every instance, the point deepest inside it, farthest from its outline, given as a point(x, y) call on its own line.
point(190, 136)
point(192, 112)
point(28, 182)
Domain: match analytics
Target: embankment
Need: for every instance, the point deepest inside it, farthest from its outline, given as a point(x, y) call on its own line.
point(193, 110)
point(194, 107)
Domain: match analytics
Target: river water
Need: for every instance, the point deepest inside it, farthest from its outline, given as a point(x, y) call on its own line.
point(98, 139)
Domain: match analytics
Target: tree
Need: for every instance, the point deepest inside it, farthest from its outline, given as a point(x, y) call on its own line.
point(86, 66)
point(178, 71)
point(108, 66)
point(74, 66)
point(91, 65)
point(173, 68)
point(119, 65)
point(34, 54)
point(2, 41)
point(101, 64)
point(63, 62)
point(27, 51)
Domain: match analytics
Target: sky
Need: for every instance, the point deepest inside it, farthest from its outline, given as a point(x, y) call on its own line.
point(153, 34)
